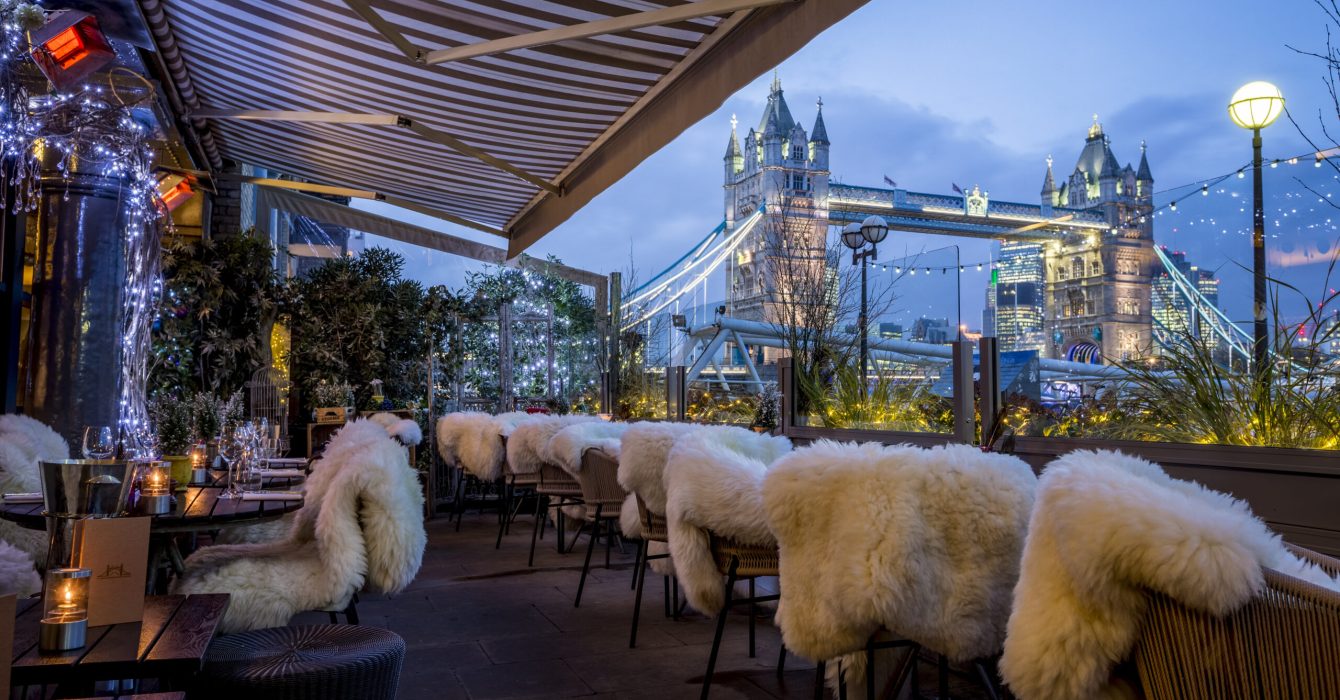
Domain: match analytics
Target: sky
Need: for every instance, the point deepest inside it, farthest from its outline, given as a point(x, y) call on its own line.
point(980, 93)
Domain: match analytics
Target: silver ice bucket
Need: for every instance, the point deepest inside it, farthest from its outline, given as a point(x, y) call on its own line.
point(73, 489)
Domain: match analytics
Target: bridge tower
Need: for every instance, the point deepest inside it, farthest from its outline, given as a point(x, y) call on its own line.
point(783, 166)
point(1098, 301)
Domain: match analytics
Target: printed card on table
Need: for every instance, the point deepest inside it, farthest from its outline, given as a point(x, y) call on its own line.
point(116, 550)
point(8, 605)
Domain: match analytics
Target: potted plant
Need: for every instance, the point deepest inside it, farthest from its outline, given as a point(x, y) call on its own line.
point(334, 402)
point(766, 410)
point(172, 416)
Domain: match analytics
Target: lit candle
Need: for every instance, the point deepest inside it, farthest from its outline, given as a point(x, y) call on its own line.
point(156, 479)
point(65, 610)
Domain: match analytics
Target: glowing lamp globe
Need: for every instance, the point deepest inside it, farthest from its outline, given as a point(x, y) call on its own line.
point(874, 228)
point(851, 236)
point(1256, 105)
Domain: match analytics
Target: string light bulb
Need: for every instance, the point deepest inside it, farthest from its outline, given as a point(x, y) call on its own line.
point(1204, 190)
point(1173, 206)
point(1275, 163)
point(1241, 174)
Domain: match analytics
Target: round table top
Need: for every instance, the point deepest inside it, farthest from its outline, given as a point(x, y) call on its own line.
point(196, 508)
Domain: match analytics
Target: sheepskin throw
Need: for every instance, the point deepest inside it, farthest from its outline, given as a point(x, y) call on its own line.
point(473, 441)
point(1108, 527)
point(406, 430)
point(924, 543)
point(17, 575)
point(526, 444)
point(714, 481)
point(567, 446)
point(363, 528)
point(24, 444)
point(643, 451)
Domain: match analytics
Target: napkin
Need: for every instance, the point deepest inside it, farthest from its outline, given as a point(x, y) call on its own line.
point(272, 496)
point(281, 473)
point(295, 461)
point(23, 498)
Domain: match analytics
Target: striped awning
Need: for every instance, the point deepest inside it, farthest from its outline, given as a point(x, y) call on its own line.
point(506, 116)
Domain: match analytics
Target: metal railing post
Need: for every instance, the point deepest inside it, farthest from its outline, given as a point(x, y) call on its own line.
point(990, 399)
point(674, 393)
point(965, 422)
point(786, 390)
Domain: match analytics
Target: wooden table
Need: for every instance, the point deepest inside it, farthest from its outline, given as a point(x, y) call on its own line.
point(197, 509)
point(169, 644)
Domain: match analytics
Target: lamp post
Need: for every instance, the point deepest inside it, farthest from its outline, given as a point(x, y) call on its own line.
point(1255, 106)
point(856, 236)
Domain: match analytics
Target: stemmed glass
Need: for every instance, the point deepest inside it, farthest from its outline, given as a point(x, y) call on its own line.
point(99, 441)
point(232, 447)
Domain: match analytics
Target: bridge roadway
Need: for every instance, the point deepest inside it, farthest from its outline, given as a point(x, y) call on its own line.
point(919, 212)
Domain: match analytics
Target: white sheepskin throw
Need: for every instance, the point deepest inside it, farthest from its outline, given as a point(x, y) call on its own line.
point(1108, 527)
point(526, 444)
point(24, 444)
point(714, 481)
point(507, 422)
point(405, 430)
point(17, 574)
point(364, 528)
point(643, 452)
point(567, 446)
point(473, 441)
point(924, 543)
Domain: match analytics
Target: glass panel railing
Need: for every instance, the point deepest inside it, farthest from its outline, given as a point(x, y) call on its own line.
point(733, 403)
point(896, 397)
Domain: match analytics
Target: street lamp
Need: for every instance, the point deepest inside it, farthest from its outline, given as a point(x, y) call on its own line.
point(855, 236)
point(1255, 106)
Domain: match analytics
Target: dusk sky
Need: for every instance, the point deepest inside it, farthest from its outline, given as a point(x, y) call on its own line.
point(979, 93)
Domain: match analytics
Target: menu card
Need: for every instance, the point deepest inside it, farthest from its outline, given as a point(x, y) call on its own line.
point(116, 550)
point(8, 604)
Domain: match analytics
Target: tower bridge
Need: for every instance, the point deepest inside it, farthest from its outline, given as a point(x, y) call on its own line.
point(1075, 271)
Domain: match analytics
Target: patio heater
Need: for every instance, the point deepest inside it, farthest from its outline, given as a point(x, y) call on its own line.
point(1255, 106)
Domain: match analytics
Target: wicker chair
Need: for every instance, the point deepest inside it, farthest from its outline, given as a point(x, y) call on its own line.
point(603, 496)
point(738, 560)
point(1285, 643)
point(336, 662)
point(653, 530)
point(556, 489)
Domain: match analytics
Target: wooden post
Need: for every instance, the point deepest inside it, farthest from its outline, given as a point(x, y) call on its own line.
point(504, 357)
point(549, 347)
point(965, 423)
point(990, 401)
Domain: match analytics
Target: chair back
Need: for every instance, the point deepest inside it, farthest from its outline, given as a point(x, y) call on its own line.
point(599, 479)
point(1285, 643)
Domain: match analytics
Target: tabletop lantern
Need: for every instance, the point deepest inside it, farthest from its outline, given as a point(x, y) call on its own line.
point(199, 470)
point(156, 488)
point(64, 623)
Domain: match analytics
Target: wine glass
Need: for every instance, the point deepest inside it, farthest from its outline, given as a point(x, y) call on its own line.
point(99, 442)
point(231, 448)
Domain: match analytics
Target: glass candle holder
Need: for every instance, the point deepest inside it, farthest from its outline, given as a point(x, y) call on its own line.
point(156, 488)
point(64, 623)
point(199, 459)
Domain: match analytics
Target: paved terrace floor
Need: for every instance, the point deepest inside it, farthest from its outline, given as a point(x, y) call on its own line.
point(480, 624)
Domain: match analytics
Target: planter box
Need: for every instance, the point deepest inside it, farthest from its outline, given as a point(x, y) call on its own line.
point(339, 414)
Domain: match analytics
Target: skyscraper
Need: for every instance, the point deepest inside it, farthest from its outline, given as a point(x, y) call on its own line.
point(1018, 279)
point(1174, 314)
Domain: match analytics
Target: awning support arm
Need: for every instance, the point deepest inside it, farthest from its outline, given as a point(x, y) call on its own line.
point(369, 15)
point(584, 30)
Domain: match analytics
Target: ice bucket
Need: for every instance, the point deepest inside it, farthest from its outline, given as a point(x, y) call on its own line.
point(80, 488)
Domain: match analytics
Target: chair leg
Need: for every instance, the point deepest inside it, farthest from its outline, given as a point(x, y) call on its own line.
point(819, 680)
point(351, 612)
point(535, 530)
point(665, 591)
point(460, 500)
point(609, 541)
point(753, 613)
point(721, 629)
point(334, 620)
point(988, 683)
point(637, 559)
point(560, 525)
point(674, 598)
point(870, 668)
point(639, 581)
point(590, 547)
point(504, 513)
point(943, 679)
point(781, 661)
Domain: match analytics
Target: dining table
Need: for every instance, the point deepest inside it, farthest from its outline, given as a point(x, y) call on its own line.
point(168, 644)
point(195, 510)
